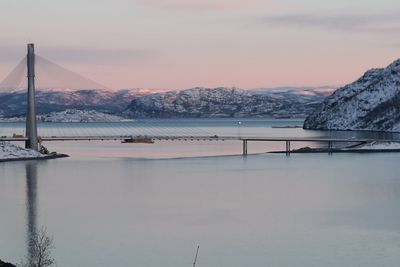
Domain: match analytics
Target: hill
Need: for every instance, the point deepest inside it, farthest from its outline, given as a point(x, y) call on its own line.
point(370, 103)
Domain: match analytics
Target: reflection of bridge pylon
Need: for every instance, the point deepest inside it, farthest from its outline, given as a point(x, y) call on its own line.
point(31, 124)
point(31, 206)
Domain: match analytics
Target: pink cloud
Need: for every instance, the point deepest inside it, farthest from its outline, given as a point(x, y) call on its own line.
point(212, 5)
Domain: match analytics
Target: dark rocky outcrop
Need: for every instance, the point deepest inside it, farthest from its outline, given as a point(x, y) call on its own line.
point(6, 264)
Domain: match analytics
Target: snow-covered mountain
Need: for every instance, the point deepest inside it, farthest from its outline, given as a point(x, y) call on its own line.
point(223, 102)
point(370, 103)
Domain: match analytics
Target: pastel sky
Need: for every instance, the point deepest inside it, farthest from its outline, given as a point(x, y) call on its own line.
point(187, 43)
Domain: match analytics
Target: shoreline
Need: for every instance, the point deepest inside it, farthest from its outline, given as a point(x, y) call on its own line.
point(351, 130)
point(318, 150)
point(56, 156)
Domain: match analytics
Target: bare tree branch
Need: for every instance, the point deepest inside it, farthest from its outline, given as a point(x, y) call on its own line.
point(40, 245)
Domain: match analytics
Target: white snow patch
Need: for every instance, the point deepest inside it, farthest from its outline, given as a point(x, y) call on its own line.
point(74, 115)
point(11, 151)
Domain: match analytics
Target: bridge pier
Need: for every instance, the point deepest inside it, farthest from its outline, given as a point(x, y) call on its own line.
point(244, 147)
point(287, 148)
point(330, 146)
point(31, 126)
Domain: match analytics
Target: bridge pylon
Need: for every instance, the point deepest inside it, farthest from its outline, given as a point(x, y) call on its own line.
point(31, 123)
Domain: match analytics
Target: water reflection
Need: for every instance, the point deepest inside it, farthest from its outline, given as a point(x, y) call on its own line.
point(266, 210)
point(31, 206)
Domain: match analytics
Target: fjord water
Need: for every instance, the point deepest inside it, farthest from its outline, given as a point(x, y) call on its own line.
point(105, 209)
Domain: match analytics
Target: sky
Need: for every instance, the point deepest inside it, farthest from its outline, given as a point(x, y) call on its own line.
point(179, 44)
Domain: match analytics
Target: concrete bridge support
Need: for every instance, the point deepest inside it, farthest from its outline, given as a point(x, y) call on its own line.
point(31, 125)
point(288, 148)
point(244, 147)
point(330, 147)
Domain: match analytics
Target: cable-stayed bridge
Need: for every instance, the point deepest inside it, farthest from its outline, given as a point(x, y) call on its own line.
point(47, 75)
point(34, 71)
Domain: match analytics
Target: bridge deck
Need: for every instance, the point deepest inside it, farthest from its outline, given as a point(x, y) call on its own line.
point(203, 138)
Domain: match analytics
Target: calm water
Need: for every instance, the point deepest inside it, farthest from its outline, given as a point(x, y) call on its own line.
point(114, 204)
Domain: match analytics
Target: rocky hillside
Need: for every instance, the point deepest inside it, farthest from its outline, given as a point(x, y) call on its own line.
point(223, 102)
point(370, 103)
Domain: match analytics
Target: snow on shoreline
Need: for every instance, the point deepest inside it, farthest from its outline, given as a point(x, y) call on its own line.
point(380, 146)
point(11, 151)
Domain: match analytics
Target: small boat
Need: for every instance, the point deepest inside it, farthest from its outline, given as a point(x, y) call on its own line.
point(138, 140)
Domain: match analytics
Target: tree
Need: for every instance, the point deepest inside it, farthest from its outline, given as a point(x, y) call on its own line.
point(40, 247)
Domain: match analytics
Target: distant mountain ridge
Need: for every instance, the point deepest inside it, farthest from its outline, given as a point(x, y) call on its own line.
point(305, 90)
point(223, 102)
point(370, 103)
point(163, 103)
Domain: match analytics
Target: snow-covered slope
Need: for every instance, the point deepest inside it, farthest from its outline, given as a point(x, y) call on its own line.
point(370, 103)
point(11, 151)
point(71, 115)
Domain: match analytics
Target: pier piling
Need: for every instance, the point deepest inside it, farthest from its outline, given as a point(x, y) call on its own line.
point(244, 147)
point(287, 148)
point(330, 147)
